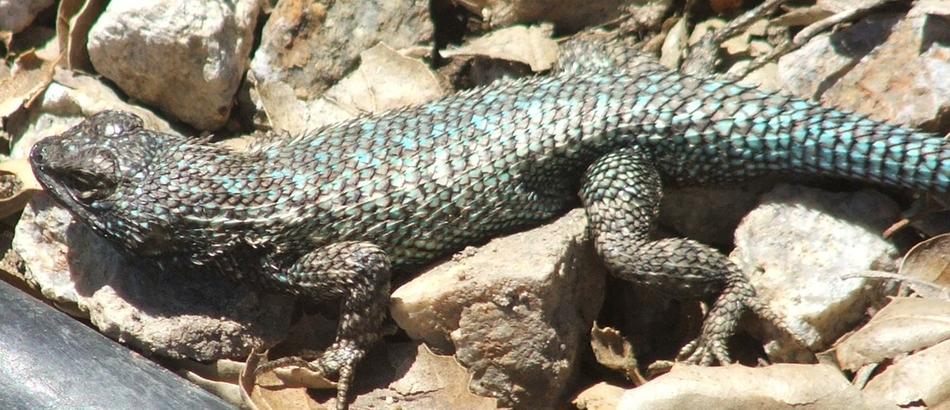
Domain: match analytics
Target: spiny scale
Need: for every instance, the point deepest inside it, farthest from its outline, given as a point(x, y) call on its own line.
point(325, 214)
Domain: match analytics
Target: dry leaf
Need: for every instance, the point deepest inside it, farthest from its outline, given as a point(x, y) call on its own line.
point(904, 325)
point(275, 397)
point(229, 392)
point(614, 352)
point(921, 378)
point(30, 77)
point(73, 20)
point(385, 80)
point(929, 261)
point(777, 386)
point(221, 370)
point(529, 45)
point(400, 375)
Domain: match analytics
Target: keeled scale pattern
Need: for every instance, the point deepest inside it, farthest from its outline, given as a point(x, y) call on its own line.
point(326, 213)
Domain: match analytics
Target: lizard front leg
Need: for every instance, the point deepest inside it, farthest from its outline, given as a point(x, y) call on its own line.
point(621, 192)
point(356, 273)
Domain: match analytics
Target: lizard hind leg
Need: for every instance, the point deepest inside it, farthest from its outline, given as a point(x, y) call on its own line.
point(621, 192)
point(358, 274)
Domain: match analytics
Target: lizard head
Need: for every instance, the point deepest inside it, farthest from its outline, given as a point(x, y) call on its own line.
point(96, 170)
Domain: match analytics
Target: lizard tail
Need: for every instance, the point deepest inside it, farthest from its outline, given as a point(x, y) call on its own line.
point(836, 143)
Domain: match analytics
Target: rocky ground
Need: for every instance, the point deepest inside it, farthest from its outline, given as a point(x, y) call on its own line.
point(531, 320)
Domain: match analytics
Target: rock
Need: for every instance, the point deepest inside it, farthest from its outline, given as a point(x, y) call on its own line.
point(599, 396)
point(307, 47)
point(710, 214)
point(16, 15)
point(800, 247)
point(568, 15)
point(516, 311)
point(172, 314)
point(69, 99)
point(186, 58)
point(853, 68)
point(918, 94)
point(809, 71)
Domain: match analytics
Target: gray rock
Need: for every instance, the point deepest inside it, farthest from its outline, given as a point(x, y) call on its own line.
point(809, 71)
point(187, 58)
point(69, 99)
point(516, 311)
point(172, 314)
point(16, 15)
point(569, 15)
point(800, 247)
point(710, 214)
point(915, 93)
point(854, 68)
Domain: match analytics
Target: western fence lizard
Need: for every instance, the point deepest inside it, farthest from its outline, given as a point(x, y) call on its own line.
point(329, 214)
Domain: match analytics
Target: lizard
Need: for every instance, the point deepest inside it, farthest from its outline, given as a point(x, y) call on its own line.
point(331, 214)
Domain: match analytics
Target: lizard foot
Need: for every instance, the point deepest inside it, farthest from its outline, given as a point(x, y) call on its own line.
point(340, 359)
point(705, 350)
point(721, 322)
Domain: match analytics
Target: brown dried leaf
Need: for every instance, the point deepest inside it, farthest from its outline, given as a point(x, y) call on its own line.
point(301, 377)
point(923, 377)
point(740, 387)
point(31, 76)
point(229, 392)
point(614, 352)
point(904, 325)
point(270, 393)
point(74, 18)
point(929, 261)
point(385, 80)
point(408, 374)
point(529, 45)
point(221, 370)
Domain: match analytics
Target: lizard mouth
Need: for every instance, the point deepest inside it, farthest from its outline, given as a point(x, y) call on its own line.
point(39, 161)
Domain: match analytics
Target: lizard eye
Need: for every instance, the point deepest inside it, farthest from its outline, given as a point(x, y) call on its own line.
point(92, 181)
point(89, 186)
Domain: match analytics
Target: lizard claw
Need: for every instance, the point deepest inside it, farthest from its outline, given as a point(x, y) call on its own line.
point(340, 359)
point(705, 350)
